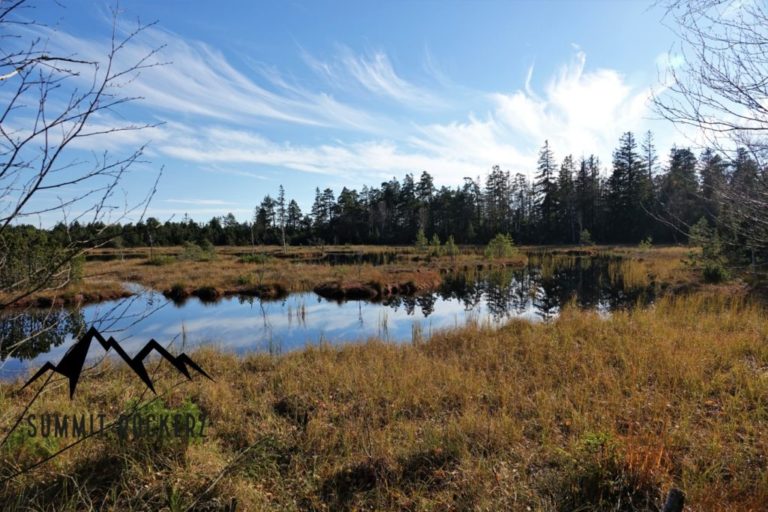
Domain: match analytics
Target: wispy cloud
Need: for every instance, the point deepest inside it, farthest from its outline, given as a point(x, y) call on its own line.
point(376, 74)
point(233, 146)
point(196, 79)
point(200, 202)
point(167, 213)
point(579, 111)
point(223, 118)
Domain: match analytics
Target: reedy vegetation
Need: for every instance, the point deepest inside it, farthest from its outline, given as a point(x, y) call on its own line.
point(298, 270)
point(584, 411)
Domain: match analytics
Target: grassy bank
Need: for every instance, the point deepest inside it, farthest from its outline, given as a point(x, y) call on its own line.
point(585, 413)
point(267, 272)
point(270, 272)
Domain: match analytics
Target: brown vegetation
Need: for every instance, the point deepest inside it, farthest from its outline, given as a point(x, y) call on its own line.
point(272, 273)
point(585, 412)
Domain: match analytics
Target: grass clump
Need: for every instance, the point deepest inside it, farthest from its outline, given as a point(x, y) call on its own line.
point(161, 260)
point(595, 475)
point(244, 280)
point(628, 273)
point(204, 251)
point(581, 413)
point(259, 259)
point(715, 272)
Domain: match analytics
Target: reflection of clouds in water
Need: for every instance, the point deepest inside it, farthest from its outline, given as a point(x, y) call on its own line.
point(243, 325)
point(252, 326)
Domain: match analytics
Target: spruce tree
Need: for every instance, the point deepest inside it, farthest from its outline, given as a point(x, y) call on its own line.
point(545, 189)
point(566, 201)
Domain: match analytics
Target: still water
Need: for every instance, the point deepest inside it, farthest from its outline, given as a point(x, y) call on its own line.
point(536, 292)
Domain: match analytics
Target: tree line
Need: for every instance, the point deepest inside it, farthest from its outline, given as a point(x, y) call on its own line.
point(568, 201)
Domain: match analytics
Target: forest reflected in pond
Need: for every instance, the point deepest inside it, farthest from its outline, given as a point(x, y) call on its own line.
point(536, 292)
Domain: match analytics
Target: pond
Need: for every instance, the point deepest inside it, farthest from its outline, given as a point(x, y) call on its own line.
point(536, 292)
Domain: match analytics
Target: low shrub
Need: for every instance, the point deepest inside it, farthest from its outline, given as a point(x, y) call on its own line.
point(715, 272)
point(205, 251)
point(160, 260)
point(501, 246)
point(255, 258)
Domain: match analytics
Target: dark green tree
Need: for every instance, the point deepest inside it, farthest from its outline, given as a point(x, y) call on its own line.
point(545, 188)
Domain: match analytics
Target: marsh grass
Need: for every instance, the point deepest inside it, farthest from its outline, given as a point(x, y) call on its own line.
point(297, 271)
point(628, 273)
point(584, 412)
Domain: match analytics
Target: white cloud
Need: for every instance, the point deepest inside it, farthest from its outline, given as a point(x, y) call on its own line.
point(578, 111)
point(194, 78)
point(372, 159)
point(376, 74)
point(213, 106)
point(200, 202)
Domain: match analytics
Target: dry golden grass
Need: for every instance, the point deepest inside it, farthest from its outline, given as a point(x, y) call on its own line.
point(585, 412)
point(227, 273)
point(662, 264)
point(295, 271)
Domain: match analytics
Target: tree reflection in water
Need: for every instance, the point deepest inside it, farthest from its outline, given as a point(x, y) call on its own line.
point(28, 334)
point(540, 288)
point(545, 285)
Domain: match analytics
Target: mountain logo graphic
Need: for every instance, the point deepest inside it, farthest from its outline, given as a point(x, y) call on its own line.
point(71, 365)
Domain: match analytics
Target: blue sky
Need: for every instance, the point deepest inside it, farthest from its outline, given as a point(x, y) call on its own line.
point(331, 94)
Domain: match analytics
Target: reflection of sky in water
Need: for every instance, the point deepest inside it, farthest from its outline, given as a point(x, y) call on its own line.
point(244, 325)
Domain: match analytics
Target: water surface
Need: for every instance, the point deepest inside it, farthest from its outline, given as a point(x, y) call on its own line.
point(536, 292)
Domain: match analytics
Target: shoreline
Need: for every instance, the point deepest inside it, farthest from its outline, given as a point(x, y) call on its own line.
point(503, 417)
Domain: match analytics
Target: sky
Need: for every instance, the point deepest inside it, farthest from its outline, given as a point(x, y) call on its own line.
point(252, 95)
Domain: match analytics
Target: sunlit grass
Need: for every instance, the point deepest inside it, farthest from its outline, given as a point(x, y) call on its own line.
point(628, 273)
point(584, 411)
point(245, 269)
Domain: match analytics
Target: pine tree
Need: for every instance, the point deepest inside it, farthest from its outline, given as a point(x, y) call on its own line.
point(281, 213)
point(425, 188)
point(679, 194)
point(434, 244)
point(421, 240)
point(650, 160)
point(582, 191)
point(713, 173)
point(317, 208)
point(546, 191)
point(566, 200)
point(629, 194)
point(497, 201)
point(744, 206)
point(294, 216)
point(596, 196)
